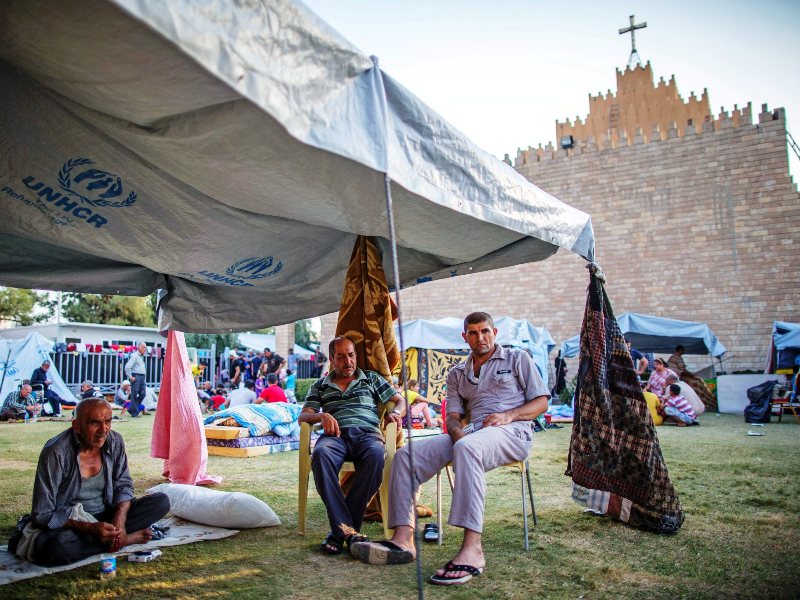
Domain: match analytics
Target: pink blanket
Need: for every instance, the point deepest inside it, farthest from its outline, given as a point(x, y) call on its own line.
point(178, 433)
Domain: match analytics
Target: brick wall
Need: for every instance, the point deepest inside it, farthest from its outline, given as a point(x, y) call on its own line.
point(703, 227)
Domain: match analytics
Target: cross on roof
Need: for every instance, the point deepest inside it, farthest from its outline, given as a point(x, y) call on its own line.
point(634, 58)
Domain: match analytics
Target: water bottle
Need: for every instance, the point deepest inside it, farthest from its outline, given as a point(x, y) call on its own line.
point(27, 418)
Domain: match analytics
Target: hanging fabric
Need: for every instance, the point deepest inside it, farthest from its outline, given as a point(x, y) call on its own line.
point(615, 459)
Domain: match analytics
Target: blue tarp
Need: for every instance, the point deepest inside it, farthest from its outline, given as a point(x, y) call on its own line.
point(445, 334)
point(786, 340)
point(659, 335)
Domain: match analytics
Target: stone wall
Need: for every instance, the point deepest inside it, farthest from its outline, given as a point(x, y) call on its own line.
point(703, 226)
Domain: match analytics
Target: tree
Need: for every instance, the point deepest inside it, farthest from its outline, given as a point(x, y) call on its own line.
point(108, 309)
point(24, 307)
point(204, 340)
point(303, 333)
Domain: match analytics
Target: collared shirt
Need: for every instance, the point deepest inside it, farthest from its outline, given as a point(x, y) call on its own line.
point(506, 381)
point(357, 406)
point(58, 478)
point(39, 377)
point(135, 365)
point(17, 403)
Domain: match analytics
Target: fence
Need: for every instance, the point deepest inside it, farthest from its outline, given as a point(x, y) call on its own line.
point(107, 370)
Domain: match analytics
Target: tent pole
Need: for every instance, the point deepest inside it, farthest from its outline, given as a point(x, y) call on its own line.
point(404, 376)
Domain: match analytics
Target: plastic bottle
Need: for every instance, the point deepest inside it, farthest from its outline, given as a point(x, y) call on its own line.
point(108, 567)
point(27, 418)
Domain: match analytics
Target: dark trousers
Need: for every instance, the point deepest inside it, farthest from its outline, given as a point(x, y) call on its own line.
point(54, 400)
point(63, 546)
point(138, 392)
point(366, 450)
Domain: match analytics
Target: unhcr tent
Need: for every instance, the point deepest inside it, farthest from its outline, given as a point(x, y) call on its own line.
point(785, 347)
point(229, 154)
point(18, 360)
point(433, 346)
point(659, 335)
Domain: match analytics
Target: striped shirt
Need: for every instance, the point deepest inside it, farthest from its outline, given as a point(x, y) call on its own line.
point(682, 404)
point(358, 405)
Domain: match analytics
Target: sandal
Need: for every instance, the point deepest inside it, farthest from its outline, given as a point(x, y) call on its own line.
point(431, 532)
point(452, 568)
point(354, 538)
point(331, 545)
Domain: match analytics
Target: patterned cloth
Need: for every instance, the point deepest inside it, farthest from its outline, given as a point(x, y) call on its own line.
point(615, 459)
point(367, 312)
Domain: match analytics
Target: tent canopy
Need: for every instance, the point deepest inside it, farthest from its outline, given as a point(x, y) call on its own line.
point(229, 154)
point(445, 334)
point(18, 360)
point(659, 335)
point(785, 344)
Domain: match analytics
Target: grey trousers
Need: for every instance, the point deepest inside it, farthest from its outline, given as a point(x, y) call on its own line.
point(472, 456)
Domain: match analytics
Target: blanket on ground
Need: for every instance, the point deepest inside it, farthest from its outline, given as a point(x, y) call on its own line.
point(615, 459)
point(14, 569)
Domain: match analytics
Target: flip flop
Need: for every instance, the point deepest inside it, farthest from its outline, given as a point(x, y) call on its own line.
point(431, 532)
point(355, 538)
point(452, 568)
point(383, 552)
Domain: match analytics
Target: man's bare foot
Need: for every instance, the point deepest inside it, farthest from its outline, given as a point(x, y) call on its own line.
point(466, 556)
point(137, 537)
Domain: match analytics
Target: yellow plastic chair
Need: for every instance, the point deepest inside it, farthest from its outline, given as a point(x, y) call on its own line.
point(390, 434)
point(525, 478)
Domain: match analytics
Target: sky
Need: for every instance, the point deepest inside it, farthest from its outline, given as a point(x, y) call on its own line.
point(504, 72)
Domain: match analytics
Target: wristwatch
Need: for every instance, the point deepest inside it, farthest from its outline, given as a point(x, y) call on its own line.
point(396, 412)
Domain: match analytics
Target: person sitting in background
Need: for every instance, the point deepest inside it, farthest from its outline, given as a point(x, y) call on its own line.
point(688, 393)
point(658, 378)
point(216, 401)
point(419, 411)
point(87, 389)
point(123, 397)
point(273, 392)
point(40, 377)
point(18, 404)
point(244, 395)
point(677, 408)
point(291, 386)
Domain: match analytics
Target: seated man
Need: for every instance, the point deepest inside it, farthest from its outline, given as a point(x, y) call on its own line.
point(87, 390)
point(346, 403)
point(40, 377)
point(502, 392)
point(676, 407)
point(83, 501)
point(18, 404)
point(123, 397)
point(273, 392)
point(244, 395)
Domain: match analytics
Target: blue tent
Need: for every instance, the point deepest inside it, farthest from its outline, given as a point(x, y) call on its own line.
point(659, 335)
point(786, 344)
point(445, 334)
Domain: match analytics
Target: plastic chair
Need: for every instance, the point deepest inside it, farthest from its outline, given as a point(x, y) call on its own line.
point(304, 468)
point(525, 477)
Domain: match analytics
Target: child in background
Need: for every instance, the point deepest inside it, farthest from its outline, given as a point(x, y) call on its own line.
point(678, 407)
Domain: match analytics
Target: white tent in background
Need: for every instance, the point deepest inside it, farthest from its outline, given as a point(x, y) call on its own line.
point(229, 153)
point(18, 360)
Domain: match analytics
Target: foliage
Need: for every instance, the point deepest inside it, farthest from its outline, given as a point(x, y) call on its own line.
point(108, 310)
point(301, 388)
point(204, 340)
point(304, 334)
point(18, 306)
point(740, 494)
point(565, 395)
point(267, 330)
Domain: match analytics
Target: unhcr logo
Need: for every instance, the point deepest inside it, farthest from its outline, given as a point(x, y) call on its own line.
point(80, 185)
point(240, 273)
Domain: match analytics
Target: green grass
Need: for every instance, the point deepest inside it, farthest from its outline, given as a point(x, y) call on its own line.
point(741, 496)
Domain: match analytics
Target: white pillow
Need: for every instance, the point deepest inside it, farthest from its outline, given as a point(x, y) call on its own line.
point(212, 507)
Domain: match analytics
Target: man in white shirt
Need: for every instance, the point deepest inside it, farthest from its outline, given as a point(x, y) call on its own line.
point(245, 395)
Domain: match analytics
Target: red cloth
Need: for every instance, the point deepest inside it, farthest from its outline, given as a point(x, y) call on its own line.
point(217, 401)
point(178, 434)
point(273, 393)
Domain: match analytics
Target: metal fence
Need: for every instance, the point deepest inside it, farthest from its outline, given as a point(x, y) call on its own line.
point(107, 371)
